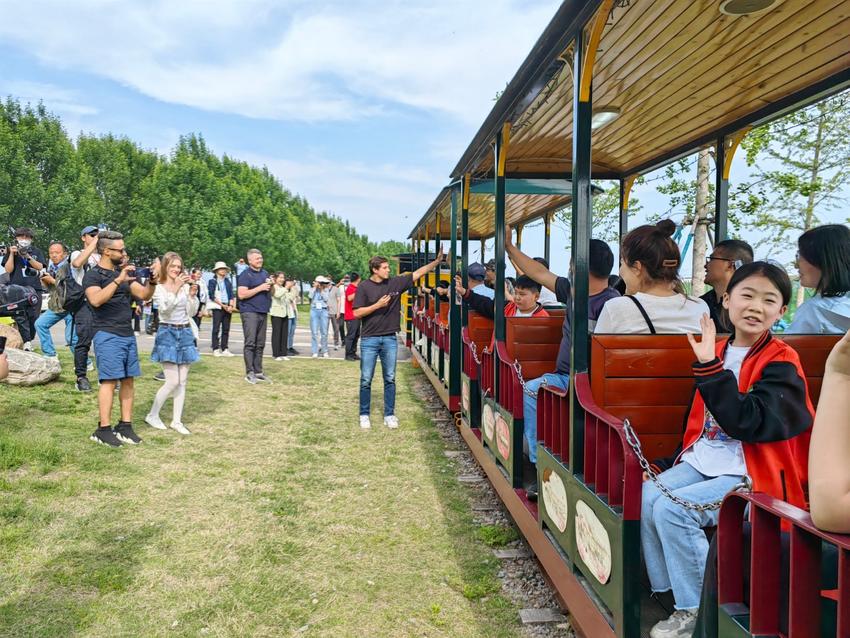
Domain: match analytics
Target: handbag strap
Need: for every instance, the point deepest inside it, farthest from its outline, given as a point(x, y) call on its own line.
point(643, 312)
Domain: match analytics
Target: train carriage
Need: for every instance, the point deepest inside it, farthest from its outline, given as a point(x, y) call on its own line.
point(614, 89)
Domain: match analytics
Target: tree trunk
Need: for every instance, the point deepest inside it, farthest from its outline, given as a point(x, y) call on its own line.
point(809, 212)
point(701, 225)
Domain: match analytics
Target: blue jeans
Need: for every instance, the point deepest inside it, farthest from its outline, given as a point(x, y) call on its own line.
point(319, 328)
point(529, 407)
point(371, 348)
point(292, 322)
point(672, 538)
point(45, 322)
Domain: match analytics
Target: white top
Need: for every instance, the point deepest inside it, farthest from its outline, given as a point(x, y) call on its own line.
point(77, 273)
point(674, 314)
point(484, 291)
point(547, 297)
point(176, 307)
point(822, 315)
point(715, 453)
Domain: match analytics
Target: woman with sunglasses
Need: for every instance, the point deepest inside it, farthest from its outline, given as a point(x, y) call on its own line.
point(824, 264)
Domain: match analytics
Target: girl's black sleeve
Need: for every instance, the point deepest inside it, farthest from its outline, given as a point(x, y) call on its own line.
point(775, 408)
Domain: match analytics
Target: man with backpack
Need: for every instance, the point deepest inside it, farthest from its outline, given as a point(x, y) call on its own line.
point(58, 269)
point(81, 261)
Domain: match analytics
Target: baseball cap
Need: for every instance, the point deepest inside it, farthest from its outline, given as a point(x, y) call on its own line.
point(87, 230)
point(476, 271)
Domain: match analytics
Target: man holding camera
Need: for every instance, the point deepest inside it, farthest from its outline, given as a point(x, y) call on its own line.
point(377, 304)
point(23, 263)
point(110, 287)
point(255, 300)
point(56, 269)
point(81, 262)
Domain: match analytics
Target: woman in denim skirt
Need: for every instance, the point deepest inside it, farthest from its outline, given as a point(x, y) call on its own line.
point(175, 346)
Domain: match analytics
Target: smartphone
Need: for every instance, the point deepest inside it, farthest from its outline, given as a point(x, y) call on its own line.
point(2, 345)
point(142, 273)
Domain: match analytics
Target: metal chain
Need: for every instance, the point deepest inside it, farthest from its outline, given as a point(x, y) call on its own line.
point(632, 439)
point(474, 351)
point(518, 370)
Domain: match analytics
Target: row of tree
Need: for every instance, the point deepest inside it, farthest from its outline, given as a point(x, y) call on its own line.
point(205, 207)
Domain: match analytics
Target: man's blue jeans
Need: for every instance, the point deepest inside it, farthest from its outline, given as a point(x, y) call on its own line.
point(45, 322)
point(371, 348)
point(671, 536)
point(319, 329)
point(529, 407)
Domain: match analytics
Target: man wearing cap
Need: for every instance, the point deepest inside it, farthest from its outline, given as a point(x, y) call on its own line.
point(319, 305)
point(477, 274)
point(490, 275)
point(222, 303)
point(23, 263)
point(81, 261)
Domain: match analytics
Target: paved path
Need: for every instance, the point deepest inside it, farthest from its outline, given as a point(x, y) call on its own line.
point(302, 341)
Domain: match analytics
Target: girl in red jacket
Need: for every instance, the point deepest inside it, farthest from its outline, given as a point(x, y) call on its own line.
point(749, 409)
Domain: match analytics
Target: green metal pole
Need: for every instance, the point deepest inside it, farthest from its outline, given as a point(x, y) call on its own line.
point(464, 238)
point(624, 213)
point(581, 228)
point(721, 190)
point(437, 240)
point(547, 246)
point(454, 309)
point(499, 307)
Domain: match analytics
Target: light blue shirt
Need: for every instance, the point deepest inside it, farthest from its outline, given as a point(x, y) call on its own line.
point(822, 315)
point(484, 291)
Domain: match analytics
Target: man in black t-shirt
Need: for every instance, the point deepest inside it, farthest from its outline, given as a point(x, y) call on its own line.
point(377, 304)
point(23, 263)
point(110, 287)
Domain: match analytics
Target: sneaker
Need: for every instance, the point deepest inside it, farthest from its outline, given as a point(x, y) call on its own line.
point(83, 385)
point(227, 353)
point(28, 346)
point(351, 358)
point(326, 356)
point(680, 624)
point(261, 377)
point(105, 436)
point(251, 378)
point(216, 353)
point(336, 347)
point(391, 421)
point(365, 421)
point(159, 376)
point(281, 358)
point(292, 351)
point(180, 428)
point(137, 333)
point(531, 492)
point(125, 434)
point(154, 421)
point(52, 357)
point(315, 356)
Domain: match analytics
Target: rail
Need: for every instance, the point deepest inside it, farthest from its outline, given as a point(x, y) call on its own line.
point(804, 588)
point(509, 395)
point(553, 421)
point(611, 469)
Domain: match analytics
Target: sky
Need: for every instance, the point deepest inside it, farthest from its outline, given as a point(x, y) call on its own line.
point(361, 106)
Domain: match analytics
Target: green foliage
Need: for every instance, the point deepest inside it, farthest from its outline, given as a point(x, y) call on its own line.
point(606, 211)
point(496, 535)
point(802, 164)
point(205, 207)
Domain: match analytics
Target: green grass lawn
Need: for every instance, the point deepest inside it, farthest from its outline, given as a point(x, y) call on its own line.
point(277, 517)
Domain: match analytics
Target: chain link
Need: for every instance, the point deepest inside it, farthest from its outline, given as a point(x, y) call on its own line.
point(518, 370)
point(632, 439)
point(474, 351)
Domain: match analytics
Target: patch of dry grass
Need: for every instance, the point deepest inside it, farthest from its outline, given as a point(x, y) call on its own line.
point(277, 517)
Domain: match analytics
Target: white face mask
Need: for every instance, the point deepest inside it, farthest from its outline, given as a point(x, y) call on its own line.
point(25, 243)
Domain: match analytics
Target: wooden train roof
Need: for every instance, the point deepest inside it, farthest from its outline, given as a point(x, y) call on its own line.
point(680, 72)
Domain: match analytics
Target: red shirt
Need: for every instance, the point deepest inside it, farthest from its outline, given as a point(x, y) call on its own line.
point(349, 311)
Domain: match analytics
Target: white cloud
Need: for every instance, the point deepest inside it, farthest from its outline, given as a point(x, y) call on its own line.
point(62, 101)
point(293, 60)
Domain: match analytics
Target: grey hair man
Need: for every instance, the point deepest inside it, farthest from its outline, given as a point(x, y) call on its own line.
point(253, 286)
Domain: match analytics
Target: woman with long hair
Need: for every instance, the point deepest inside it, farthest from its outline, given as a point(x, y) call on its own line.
point(655, 299)
point(174, 347)
point(280, 319)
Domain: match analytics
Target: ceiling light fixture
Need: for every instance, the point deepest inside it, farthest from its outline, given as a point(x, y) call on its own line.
point(747, 7)
point(603, 116)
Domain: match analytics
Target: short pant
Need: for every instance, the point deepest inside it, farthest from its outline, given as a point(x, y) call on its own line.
point(117, 357)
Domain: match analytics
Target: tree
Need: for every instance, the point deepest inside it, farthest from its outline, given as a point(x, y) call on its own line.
point(802, 163)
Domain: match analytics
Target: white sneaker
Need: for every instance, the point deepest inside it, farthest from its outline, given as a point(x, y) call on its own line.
point(28, 346)
point(137, 333)
point(326, 356)
point(680, 624)
point(216, 353)
point(285, 358)
point(365, 421)
point(155, 422)
point(180, 428)
point(227, 353)
point(89, 366)
point(281, 359)
point(315, 356)
point(391, 421)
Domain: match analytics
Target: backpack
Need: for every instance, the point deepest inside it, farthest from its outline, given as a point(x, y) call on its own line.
point(70, 295)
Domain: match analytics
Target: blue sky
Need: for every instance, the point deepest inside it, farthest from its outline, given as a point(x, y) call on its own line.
point(361, 106)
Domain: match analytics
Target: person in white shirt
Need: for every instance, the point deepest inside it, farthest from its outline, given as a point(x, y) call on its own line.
point(655, 301)
point(174, 347)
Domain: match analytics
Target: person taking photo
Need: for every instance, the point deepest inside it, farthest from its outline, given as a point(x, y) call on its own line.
point(23, 262)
